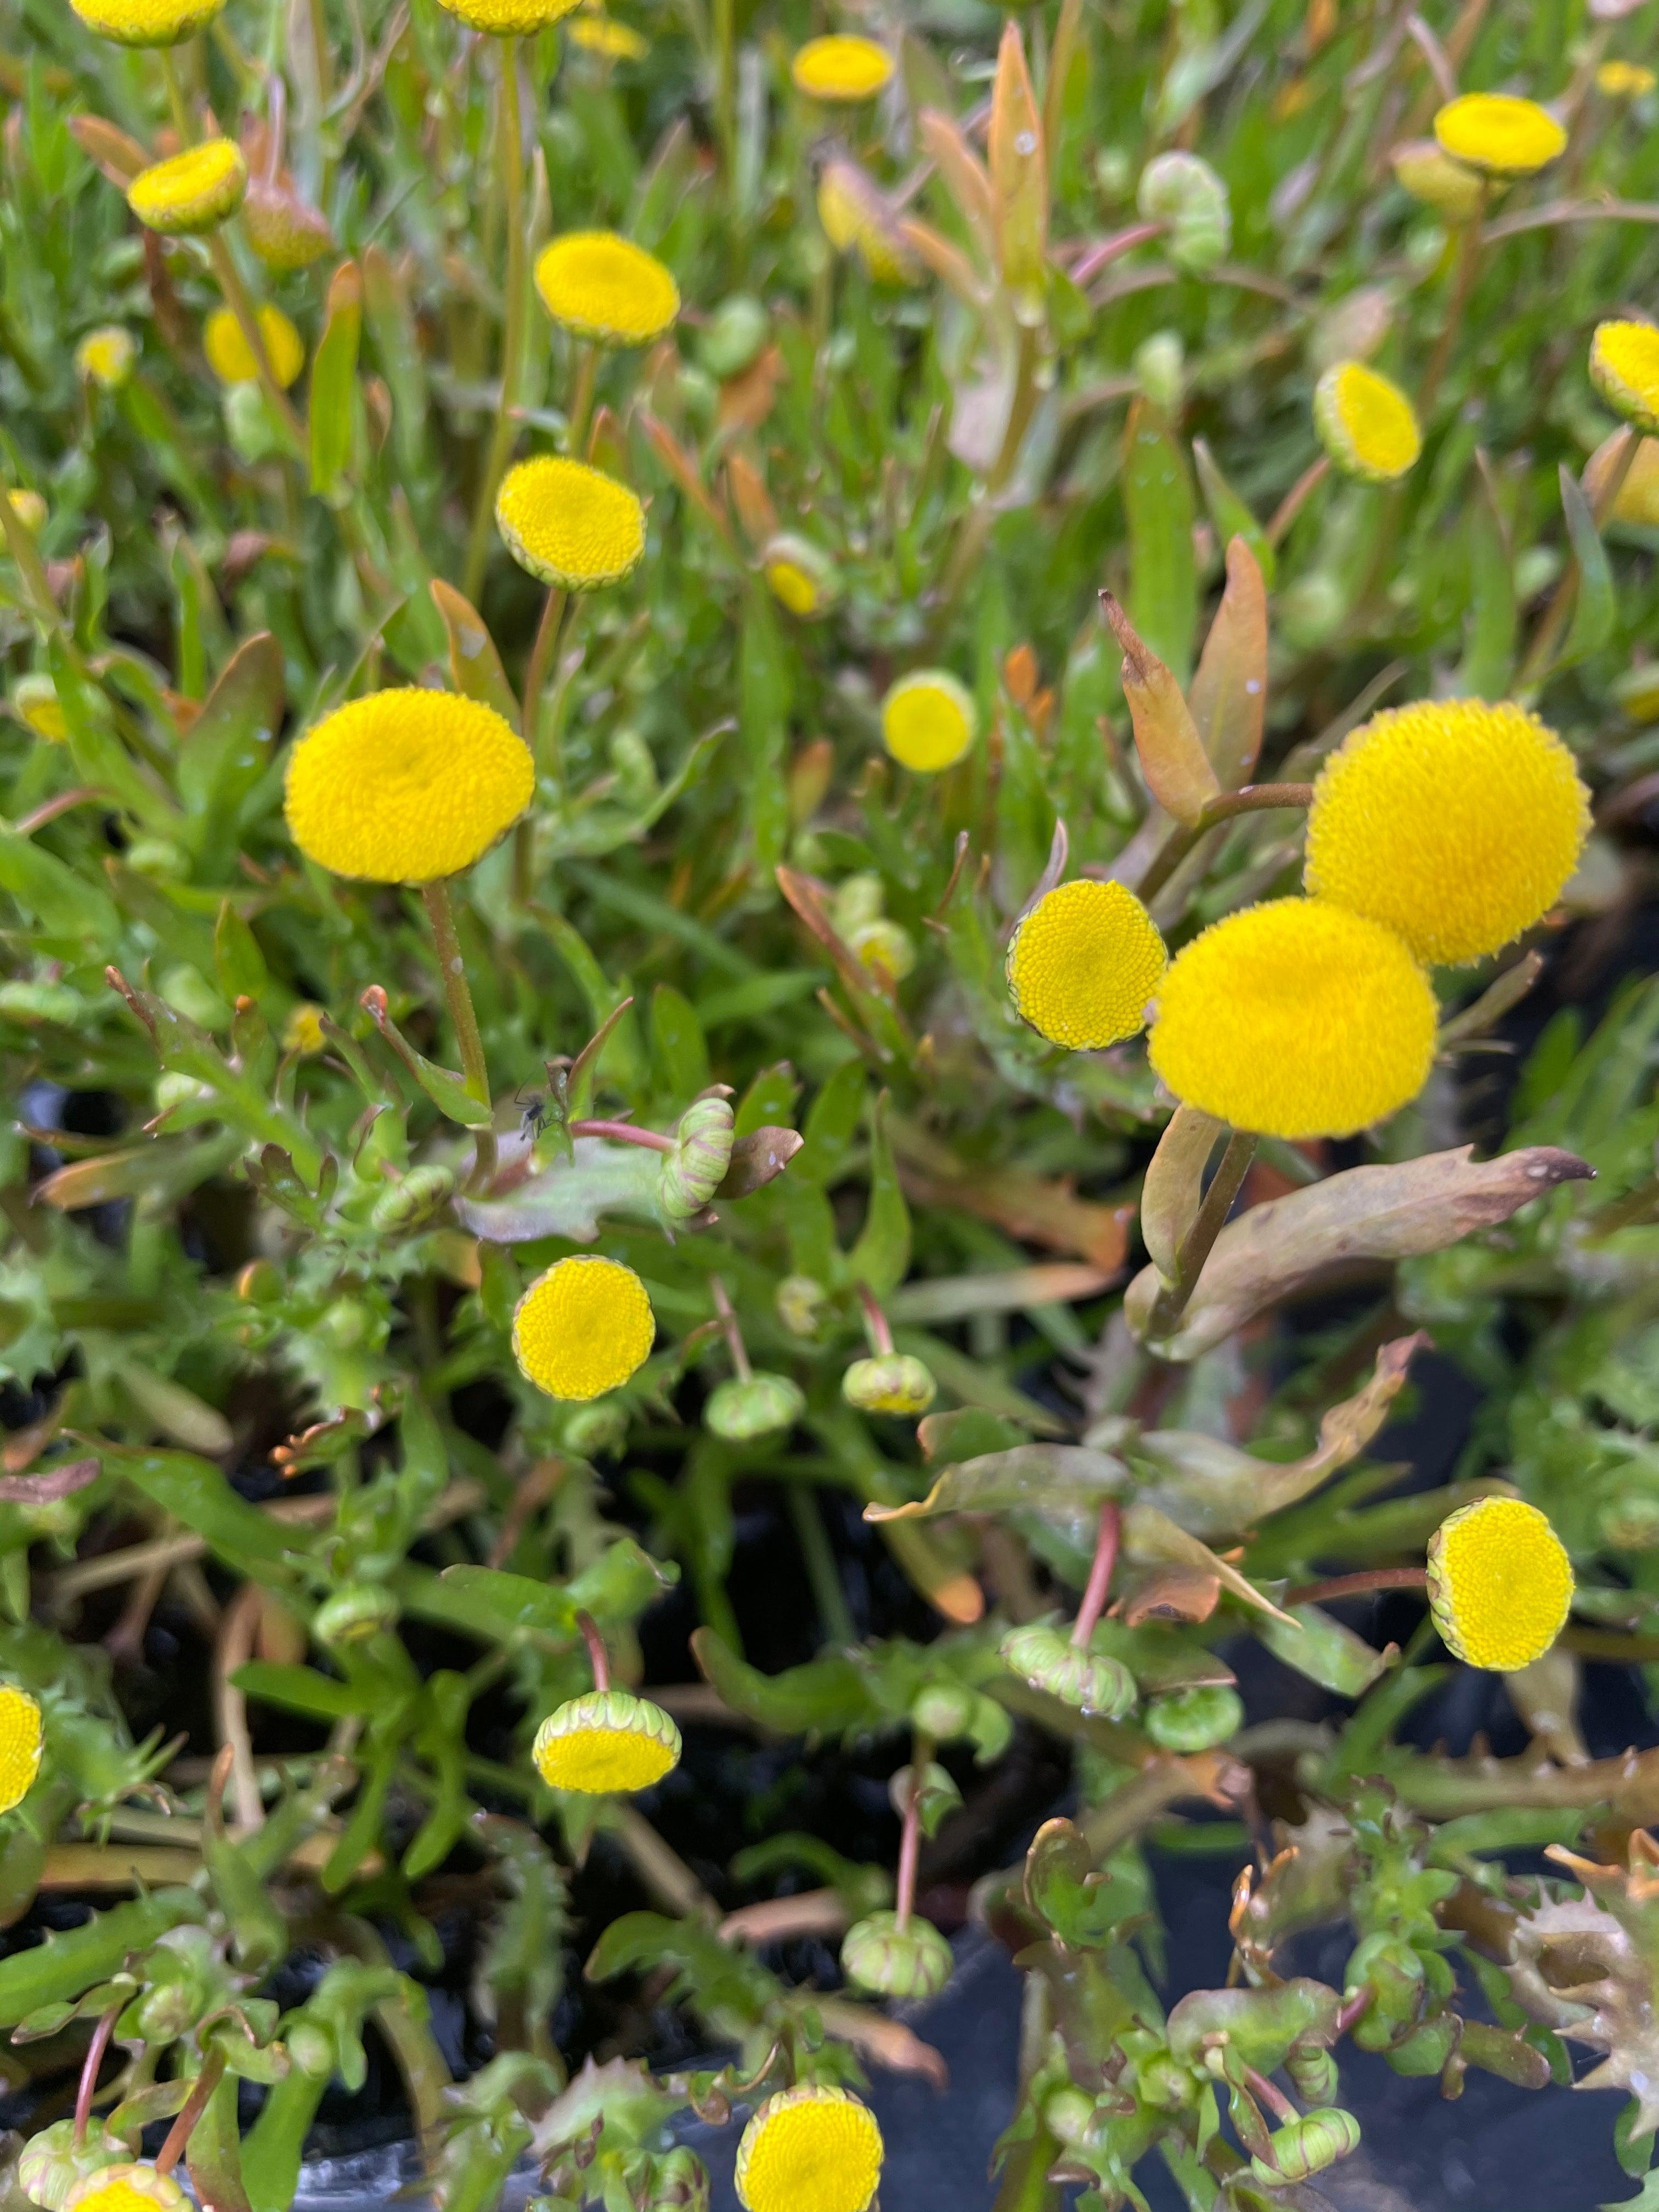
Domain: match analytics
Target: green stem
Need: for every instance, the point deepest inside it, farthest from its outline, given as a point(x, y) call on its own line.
point(1196, 1245)
point(509, 149)
point(726, 84)
point(441, 912)
point(236, 298)
point(541, 659)
point(820, 1563)
point(584, 377)
point(177, 106)
point(1248, 799)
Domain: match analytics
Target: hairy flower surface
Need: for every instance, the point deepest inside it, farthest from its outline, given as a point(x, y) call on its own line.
point(1500, 1583)
point(1498, 134)
point(569, 525)
point(1365, 422)
point(605, 286)
point(809, 2148)
point(605, 1740)
point(583, 1328)
point(1296, 1018)
point(230, 356)
point(147, 22)
point(192, 190)
point(603, 34)
point(1454, 822)
point(509, 19)
point(928, 721)
point(106, 356)
point(127, 2189)
point(1624, 367)
point(1084, 964)
point(20, 1738)
point(841, 68)
point(1621, 80)
point(406, 786)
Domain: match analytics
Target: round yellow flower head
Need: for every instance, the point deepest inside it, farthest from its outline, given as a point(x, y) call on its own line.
point(21, 1739)
point(606, 1741)
point(569, 525)
point(231, 358)
point(797, 576)
point(35, 702)
point(583, 1328)
point(147, 22)
point(604, 34)
point(106, 356)
point(1500, 1583)
point(1452, 822)
point(841, 68)
point(302, 1032)
point(1295, 1020)
point(1366, 423)
point(605, 286)
point(928, 721)
point(190, 192)
point(1625, 80)
point(856, 219)
point(509, 19)
point(1498, 134)
point(406, 786)
point(810, 2149)
point(29, 508)
point(1636, 499)
point(1084, 964)
point(1624, 367)
point(127, 2189)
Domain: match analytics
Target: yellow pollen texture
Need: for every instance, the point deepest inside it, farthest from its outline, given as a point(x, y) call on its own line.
point(126, 2189)
point(1295, 1020)
point(509, 19)
point(791, 586)
point(606, 287)
point(817, 2150)
point(1085, 964)
point(192, 190)
point(20, 1745)
point(1366, 422)
point(1500, 1583)
point(1498, 133)
point(583, 1328)
point(231, 358)
point(568, 524)
point(406, 786)
point(1452, 822)
point(1624, 367)
point(841, 68)
point(928, 721)
point(146, 22)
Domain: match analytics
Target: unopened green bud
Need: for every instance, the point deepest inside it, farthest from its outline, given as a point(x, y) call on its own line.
point(1426, 2048)
point(1068, 2114)
point(879, 1956)
point(355, 1614)
point(1196, 1719)
point(634, 768)
point(1163, 2081)
point(1637, 692)
point(1311, 610)
point(594, 1431)
point(310, 2049)
point(665, 2181)
point(1049, 1661)
point(694, 1171)
point(1313, 2070)
point(1185, 194)
point(253, 431)
point(1432, 177)
point(1624, 1524)
point(281, 229)
point(408, 1204)
point(944, 1710)
point(159, 857)
point(51, 2163)
point(731, 338)
point(345, 1323)
point(800, 1301)
point(891, 1383)
point(1391, 1969)
point(1307, 2146)
point(743, 1409)
point(888, 952)
point(1159, 362)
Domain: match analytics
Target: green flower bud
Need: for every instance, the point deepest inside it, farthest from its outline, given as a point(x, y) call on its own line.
point(412, 1202)
point(1068, 2114)
point(1391, 1968)
point(345, 1323)
point(943, 1709)
point(694, 1171)
point(731, 338)
point(800, 1301)
point(1195, 1720)
point(1313, 2070)
point(1624, 1524)
point(892, 1383)
point(310, 2049)
point(253, 431)
point(1113, 172)
point(1048, 1661)
point(159, 857)
point(1426, 2048)
point(1185, 193)
point(1311, 610)
point(1307, 2146)
point(879, 1956)
point(594, 1431)
point(50, 2165)
point(1163, 2081)
point(1637, 692)
point(888, 952)
point(355, 1614)
point(1158, 363)
point(742, 1410)
point(1432, 177)
point(634, 768)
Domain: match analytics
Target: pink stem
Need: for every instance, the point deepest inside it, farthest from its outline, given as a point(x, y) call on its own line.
point(1373, 1579)
point(90, 2065)
point(624, 1132)
point(1100, 1574)
point(179, 2134)
point(595, 1651)
point(910, 1837)
point(1089, 264)
point(881, 1335)
point(1270, 2094)
point(735, 1343)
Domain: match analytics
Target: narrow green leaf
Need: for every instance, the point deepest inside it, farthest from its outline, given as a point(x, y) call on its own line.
point(1158, 499)
point(334, 381)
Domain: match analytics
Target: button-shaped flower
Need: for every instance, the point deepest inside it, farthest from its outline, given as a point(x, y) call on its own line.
point(811, 2149)
point(190, 192)
point(20, 1740)
point(230, 356)
point(571, 525)
point(1500, 1583)
point(132, 2188)
point(914, 1960)
point(1093, 1681)
point(603, 287)
point(1498, 134)
point(147, 22)
point(1622, 79)
point(1084, 964)
point(509, 19)
point(798, 575)
point(105, 356)
point(35, 702)
point(1624, 367)
point(928, 721)
point(583, 1328)
point(841, 68)
point(1365, 422)
point(606, 1741)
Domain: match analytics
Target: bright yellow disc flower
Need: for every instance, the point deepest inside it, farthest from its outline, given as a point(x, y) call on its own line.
point(190, 192)
point(1452, 822)
point(1624, 367)
point(231, 358)
point(1498, 134)
point(928, 721)
point(841, 68)
point(605, 286)
point(35, 702)
point(1625, 80)
point(127, 2189)
point(147, 22)
point(29, 508)
point(1295, 1020)
point(583, 1328)
point(105, 356)
point(604, 34)
point(1365, 422)
point(569, 525)
point(21, 1739)
point(798, 576)
point(791, 586)
point(606, 1741)
point(509, 19)
point(1500, 1583)
point(406, 786)
point(1084, 964)
point(809, 2148)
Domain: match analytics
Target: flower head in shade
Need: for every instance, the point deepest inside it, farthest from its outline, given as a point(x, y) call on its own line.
point(1452, 822)
point(889, 1383)
point(1620, 80)
point(147, 22)
point(21, 1739)
point(810, 2149)
point(190, 192)
point(29, 508)
point(597, 34)
point(569, 525)
point(606, 1741)
point(1500, 1583)
point(928, 721)
point(1498, 134)
point(105, 356)
point(1085, 964)
point(127, 2189)
point(509, 19)
point(605, 286)
point(1365, 422)
point(35, 702)
point(1624, 367)
point(231, 358)
point(841, 68)
point(406, 786)
point(1295, 1020)
point(798, 576)
point(583, 1328)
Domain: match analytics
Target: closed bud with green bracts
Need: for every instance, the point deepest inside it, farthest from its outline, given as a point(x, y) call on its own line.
point(892, 1383)
point(744, 1408)
point(1637, 692)
point(355, 1614)
point(694, 1171)
point(1307, 2146)
point(310, 2049)
point(594, 1431)
point(1311, 610)
point(1163, 2080)
point(1048, 1661)
point(1194, 1720)
point(890, 1961)
point(731, 338)
point(667, 2181)
point(1392, 1971)
point(1068, 2114)
point(800, 1301)
point(159, 857)
point(888, 952)
point(1425, 2049)
point(943, 1709)
point(1186, 195)
point(1159, 361)
point(1432, 177)
point(1313, 2070)
point(412, 1202)
point(281, 229)
point(51, 2164)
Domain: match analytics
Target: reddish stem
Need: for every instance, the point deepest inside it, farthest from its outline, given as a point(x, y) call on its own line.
point(735, 1343)
point(1373, 1578)
point(1100, 1574)
point(910, 1836)
point(624, 1132)
point(1270, 2094)
point(875, 1321)
point(1351, 2011)
point(90, 2066)
point(195, 2104)
point(1090, 262)
point(595, 1651)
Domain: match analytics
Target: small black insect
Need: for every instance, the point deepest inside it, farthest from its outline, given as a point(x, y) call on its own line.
point(536, 1112)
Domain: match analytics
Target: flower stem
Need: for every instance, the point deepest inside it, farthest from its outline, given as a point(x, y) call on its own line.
point(89, 2068)
point(541, 659)
point(624, 1132)
point(441, 912)
point(1270, 2094)
point(585, 376)
point(595, 1651)
point(735, 1343)
point(921, 1752)
point(177, 106)
point(179, 2134)
point(510, 153)
point(1248, 799)
point(1296, 498)
point(1358, 1585)
point(1196, 1246)
point(1100, 1574)
point(876, 1323)
point(1541, 654)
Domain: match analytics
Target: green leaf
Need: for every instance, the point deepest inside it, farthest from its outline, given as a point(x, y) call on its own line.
point(881, 1257)
point(831, 1693)
point(227, 747)
point(1489, 656)
point(303, 1689)
point(61, 1966)
point(475, 666)
point(64, 905)
point(448, 1091)
point(1158, 499)
point(332, 402)
point(1228, 515)
point(1325, 1651)
point(1595, 606)
point(677, 1044)
point(765, 696)
point(196, 1494)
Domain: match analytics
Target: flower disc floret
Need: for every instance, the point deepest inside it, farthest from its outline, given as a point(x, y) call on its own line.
point(21, 1739)
point(810, 2149)
point(1295, 1020)
point(105, 356)
point(1498, 134)
point(190, 192)
point(605, 1741)
point(569, 525)
point(928, 721)
point(1500, 1583)
point(406, 786)
point(509, 19)
point(147, 22)
point(126, 2189)
point(1365, 422)
point(604, 34)
point(583, 1328)
point(1084, 964)
point(230, 356)
point(605, 286)
point(841, 68)
point(1624, 367)
point(1454, 822)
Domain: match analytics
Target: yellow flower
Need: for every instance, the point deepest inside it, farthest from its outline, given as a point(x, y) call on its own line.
point(1452, 823)
point(605, 286)
point(35, 702)
point(856, 218)
point(568, 524)
point(1624, 80)
point(105, 356)
point(509, 19)
point(302, 1032)
point(29, 508)
point(1295, 1020)
point(1624, 367)
point(891, 1382)
point(1637, 498)
point(841, 68)
point(192, 190)
point(810, 2149)
point(583, 1328)
point(406, 786)
point(20, 1738)
point(1500, 1583)
point(1366, 423)
point(1085, 964)
point(147, 22)
point(606, 1741)
point(231, 358)
point(126, 2189)
point(604, 34)
point(797, 576)
point(928, 721)
point(1498, 134)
